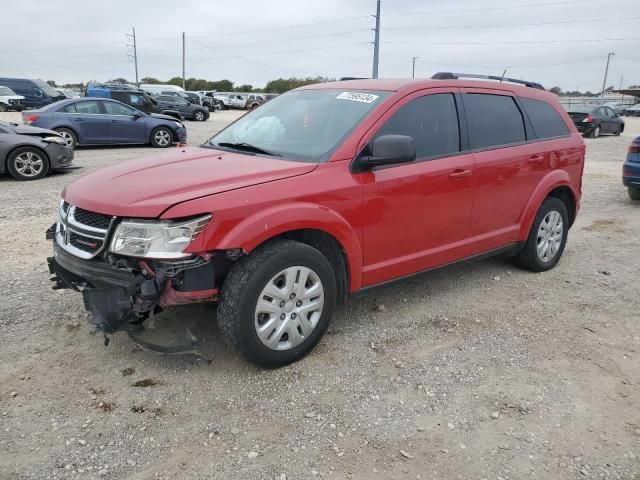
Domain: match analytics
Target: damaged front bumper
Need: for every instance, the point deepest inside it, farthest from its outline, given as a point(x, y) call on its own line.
point(122, 293)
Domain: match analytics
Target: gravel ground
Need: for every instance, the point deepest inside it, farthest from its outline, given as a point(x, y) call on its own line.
point(474, 371)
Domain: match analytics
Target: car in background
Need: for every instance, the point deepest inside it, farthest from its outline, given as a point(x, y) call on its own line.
point(193, 98)
point(619, 108)
point(186, 108)
point(132, 96)
point(68, 93)
point(631, 170)
point(593, 120)
point(30, 153)
point(230, 100)
point(98, 121)
point(10, 101)
point(36, 93)
point(209, 101)
point(254, 100)
point(157, 89)
point(633, 111)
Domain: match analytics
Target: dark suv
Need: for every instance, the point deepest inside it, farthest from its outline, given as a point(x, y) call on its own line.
point(133, 96)
point(322, 192)
point(189, 110)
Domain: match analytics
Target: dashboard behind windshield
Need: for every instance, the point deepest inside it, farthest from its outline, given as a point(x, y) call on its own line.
point(302, 125)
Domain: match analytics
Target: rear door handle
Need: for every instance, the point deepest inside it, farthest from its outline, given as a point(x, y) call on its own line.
point(456, 174)
point(536, 159)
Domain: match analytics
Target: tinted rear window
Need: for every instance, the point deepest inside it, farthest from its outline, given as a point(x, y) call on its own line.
point(547, 123)
point(493, 120)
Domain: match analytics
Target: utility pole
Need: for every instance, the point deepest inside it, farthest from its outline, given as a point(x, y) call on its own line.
point(606, 72)
point(376, 43)
point(132, 38)
point(413, 70)
point(621, 79)
point(184, 82)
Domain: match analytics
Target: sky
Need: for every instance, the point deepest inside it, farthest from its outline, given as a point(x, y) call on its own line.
point(554, 42)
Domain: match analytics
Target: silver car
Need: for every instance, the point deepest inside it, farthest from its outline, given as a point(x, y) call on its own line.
point(29, 153)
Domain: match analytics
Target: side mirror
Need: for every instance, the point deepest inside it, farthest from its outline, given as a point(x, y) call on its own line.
point(136, 116)
point(387, 150)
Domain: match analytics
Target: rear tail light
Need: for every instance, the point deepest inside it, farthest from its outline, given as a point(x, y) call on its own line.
point(588, 119)
point(29, 118)
point(634, 148)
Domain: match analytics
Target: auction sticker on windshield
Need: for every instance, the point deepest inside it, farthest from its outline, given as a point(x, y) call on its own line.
point(357, 97)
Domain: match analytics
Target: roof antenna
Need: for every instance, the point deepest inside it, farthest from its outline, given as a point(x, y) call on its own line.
point(503, 74)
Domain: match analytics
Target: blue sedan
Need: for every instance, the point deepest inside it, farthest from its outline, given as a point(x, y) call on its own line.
point(95, 121)
point(631, 170)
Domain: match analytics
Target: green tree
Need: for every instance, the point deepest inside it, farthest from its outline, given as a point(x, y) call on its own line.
point(244, 88)
point(556, 90)
point(118, 80)
point(52, 83)
point(221, 86)
point(150, 80)
point(282, 85)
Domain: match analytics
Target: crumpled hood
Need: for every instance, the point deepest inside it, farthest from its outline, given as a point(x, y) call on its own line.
point(148, 186)
point(29, 130)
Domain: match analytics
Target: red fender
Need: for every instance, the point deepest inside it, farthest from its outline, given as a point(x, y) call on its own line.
point(265, 224)
point(551, 181)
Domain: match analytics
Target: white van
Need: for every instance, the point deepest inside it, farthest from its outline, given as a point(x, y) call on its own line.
point(157, 89)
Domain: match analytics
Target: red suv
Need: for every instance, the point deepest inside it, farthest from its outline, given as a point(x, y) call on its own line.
point(322, 192)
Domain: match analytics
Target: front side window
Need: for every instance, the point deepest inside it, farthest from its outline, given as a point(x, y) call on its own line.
point(432, 122)
point(303, 125)
point(547, 123)
point(89, 107)
point(493, 120)
point(113, 108)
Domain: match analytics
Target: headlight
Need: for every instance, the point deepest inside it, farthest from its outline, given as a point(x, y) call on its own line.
point(179, 124)
point(58, 140)
point(156, 239)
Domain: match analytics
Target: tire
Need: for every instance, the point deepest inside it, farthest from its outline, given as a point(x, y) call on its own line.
point(199, 116)
point(28, 163)
point(595, 133)
point(620, 130)
point(69, 136)
point(3, 107)
point(161, 137)
point(529, 257)
point(238, 313)
point(634, 193)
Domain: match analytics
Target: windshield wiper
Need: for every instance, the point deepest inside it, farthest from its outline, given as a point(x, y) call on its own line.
point(247, 147)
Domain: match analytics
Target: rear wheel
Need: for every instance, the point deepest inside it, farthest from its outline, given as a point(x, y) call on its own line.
point(277, 303)
point(161, 137)
point(3, 107)
point(69, 137)
point(595, 133)
point(634, 193)
point(547, 238)
point(28, 163)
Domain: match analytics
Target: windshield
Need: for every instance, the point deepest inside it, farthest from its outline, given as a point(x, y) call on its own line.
point(46, 88)
point(303, 125)
point(6, 91)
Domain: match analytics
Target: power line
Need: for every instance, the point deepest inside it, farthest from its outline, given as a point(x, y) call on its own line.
point(512, 24)
point(526, 42)
point(488, 9)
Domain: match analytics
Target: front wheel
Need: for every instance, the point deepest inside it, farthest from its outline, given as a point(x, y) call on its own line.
point(277, 303)
point(3, 107)
point(634, 193)
point(28, 163)
point(199, 116)
point(547, 238)
point(161, 137)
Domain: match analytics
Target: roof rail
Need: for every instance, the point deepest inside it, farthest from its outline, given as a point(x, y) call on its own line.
point(454, 76)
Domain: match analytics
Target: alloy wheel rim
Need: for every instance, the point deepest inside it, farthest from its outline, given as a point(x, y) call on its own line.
point(289, 308)
point(199, 116)
point(29, 164)
point(68, 139)
point(550, 236)
point(162, 138)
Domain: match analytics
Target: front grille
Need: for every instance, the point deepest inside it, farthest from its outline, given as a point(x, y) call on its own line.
point(92, 219)
point(81, 232)
point(89, 245)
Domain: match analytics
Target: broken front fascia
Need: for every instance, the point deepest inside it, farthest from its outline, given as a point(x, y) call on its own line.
point(122, 292)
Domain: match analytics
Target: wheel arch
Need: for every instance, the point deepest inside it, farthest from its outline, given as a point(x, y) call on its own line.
point(75, 132)
point(555, 184)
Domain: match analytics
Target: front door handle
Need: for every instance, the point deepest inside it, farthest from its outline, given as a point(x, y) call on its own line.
point(536, 159)
point(457, 174)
